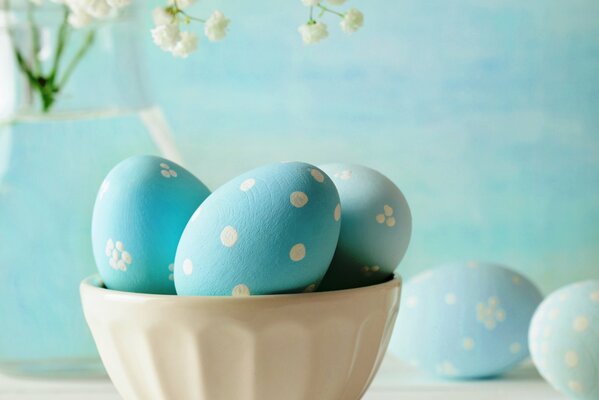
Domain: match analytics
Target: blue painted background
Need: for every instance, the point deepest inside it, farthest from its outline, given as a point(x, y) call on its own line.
point(485, 113)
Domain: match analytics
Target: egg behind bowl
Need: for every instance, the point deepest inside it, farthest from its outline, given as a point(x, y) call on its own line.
point(140, 212)
point(564, 340)
point(271, 230)
point(465, 320)
point(375, 231)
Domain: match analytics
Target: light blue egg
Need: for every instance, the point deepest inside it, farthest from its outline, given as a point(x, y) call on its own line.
point(271, 230)
point(564, 340)
point(465, 320)
point(141, 210)
point(375, 231)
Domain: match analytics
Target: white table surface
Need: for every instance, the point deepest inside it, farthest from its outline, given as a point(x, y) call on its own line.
point(394, 381)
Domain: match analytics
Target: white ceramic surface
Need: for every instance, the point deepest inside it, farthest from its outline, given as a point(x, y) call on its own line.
point(312, 346)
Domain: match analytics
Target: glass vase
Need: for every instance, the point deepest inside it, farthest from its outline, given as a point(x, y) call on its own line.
point(55, 149)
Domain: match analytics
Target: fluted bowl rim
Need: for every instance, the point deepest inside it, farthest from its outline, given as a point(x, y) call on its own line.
point(93, 284)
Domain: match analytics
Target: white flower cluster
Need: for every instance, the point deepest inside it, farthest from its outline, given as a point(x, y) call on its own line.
point(167, 33)
point(314, 31)
point(84, 12)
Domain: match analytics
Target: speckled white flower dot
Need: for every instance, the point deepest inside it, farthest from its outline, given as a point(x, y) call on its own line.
point(581, 323)
point(187, 267)
point(468, 343)
point(166, 171)
point(298, 199)
point(450, 298)
point(171, 268)
point(297, 252)
point(386, 217)
point(447, 368)
point(247, 184)
point(118, 257)
point(553, 314)
point(337, 212)
point(575, 386)
point(317, 175)
point(228, 236)
point(240, 290)
point(571, 359)
point(594, 296)
point(515, 348)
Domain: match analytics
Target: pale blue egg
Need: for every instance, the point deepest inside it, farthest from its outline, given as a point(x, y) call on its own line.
point(141, 210)
point(564, 340)
point(465, 320)
point(271, 230)
point(375, 231)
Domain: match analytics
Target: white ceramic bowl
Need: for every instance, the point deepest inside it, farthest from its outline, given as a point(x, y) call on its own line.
point(315, 346)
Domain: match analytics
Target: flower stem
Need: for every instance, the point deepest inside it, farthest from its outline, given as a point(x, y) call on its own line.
point(87, 42)
point(326, 9)
point(189, 17)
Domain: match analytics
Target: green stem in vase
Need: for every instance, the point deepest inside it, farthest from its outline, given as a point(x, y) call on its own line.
point(49, 86)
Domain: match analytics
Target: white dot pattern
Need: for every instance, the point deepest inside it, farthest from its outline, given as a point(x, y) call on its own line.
point(298, 199)
point(228, 236)
point(337, 212)
point(571, 359)
point(317, 175)
point(581, 323)
point(297, 252)
point(247, 184)
point(187, 267)
point(240, 290)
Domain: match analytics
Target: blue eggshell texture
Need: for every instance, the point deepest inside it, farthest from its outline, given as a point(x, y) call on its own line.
point(564, 340)
point(465, 320)
point(140, 212)
point(375, 230)
point(271, 230)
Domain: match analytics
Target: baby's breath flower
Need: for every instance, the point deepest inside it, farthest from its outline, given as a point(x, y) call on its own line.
point(313, 32)
point(118, 3)
point(96, 8)
point(352, 21)
point(187, 44)
point(182, 3)
point(79, 19)
point(216, 26)
point(161, 16)
point(166, 36)
point(310, 3)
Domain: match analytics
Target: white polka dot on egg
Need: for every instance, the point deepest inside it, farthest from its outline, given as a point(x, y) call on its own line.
point(228, 236)
point(571, 359)
point(187, 267)
point(247, 184)
point(581, 323)
point(298, 199)
point(317, 175)
point(240, 290)
point(297, 252)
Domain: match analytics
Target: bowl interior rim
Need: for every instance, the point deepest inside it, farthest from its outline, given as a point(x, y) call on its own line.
point(94, 283)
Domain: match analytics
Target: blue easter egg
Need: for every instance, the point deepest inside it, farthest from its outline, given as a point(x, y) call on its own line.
point(564, 340)
point(270, 230)
point(465, 320)
point(140, 212)
point(375, 231)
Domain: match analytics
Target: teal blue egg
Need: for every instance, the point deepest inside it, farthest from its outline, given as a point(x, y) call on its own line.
point(375, 231)
point(271, 230)
point(140, 212)
point(564, 340)
point(465, 320)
